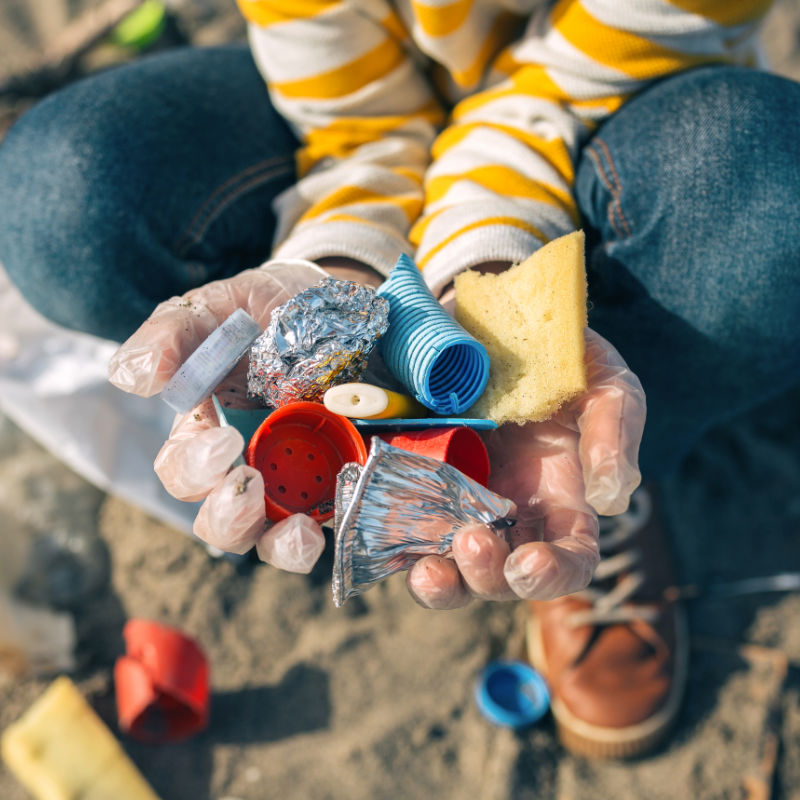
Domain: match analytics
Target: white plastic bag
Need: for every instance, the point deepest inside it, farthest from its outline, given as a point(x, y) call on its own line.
point(54, 385)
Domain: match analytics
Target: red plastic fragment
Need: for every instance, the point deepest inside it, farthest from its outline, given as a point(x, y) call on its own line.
point(460, 447)
point(161, 683)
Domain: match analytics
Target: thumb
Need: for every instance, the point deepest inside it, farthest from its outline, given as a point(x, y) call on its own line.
point(610, 418)
point(150, 357)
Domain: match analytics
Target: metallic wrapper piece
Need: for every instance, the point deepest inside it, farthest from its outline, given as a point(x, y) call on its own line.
point(321, 337)
point(401, 506)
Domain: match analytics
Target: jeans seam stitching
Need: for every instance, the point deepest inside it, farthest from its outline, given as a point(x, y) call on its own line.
point(198, 224)
point(616, 189)
point(595, 156)
point(191, 237)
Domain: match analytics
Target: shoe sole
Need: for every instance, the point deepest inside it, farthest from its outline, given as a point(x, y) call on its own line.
point(595, 741)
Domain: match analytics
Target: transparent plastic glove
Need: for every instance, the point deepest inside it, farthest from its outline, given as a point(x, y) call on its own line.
point(560, 473)
point(195, 461)
point(294, 544)
point(147, 360)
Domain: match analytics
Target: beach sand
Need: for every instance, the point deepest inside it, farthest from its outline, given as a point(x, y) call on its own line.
point(374, 700)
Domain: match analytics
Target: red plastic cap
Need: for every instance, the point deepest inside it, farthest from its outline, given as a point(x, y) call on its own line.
point(161, 683)
point(300, 449)
point(461, 447)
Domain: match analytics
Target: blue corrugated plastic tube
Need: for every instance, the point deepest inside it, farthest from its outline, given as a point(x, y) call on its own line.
point(444, 367)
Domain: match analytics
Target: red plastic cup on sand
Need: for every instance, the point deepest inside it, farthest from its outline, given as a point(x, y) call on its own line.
point(460, 447)
point(161, 683)
point(299, 449)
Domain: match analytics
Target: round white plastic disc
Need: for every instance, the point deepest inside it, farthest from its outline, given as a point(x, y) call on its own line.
point(358, 400)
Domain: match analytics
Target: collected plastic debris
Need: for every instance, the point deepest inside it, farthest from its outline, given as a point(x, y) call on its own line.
point(365, 401)
point(61, 750)
point(44, 575)
point(369, 426)
point(320, 337)
point(162, 683)
point(299, 450)
point(511, 694)
point(216, 356)
point(462, 448)
point(443, 366)
point(35, 640)
point(401, 506)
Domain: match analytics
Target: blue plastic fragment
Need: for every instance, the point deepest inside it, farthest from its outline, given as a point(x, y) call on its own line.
point(400, 424)
point(511, 694)
point(246, 421)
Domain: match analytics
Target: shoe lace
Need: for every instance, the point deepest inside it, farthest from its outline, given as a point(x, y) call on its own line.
point(611, 600)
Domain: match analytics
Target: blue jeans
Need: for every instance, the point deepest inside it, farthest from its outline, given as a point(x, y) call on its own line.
point(147, 180)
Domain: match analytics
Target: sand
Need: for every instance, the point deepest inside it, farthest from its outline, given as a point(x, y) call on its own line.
point(375, 700)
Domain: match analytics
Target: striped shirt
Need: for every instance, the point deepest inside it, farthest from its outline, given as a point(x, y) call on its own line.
point(450, 129)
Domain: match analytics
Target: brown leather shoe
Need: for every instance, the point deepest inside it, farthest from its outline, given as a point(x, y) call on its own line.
point(615, 655)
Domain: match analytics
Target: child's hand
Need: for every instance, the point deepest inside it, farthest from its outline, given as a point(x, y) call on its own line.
point(195, 461)
point(560, 473)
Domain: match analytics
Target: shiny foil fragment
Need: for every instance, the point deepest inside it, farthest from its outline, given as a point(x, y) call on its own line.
point(401, 506)
point(319, 338)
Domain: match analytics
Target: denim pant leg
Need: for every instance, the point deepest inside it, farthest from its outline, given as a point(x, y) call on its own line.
point(691, 196)
point(140, 183)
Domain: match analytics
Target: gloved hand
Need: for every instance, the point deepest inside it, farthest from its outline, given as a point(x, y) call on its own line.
point(561, 473)
point(195, 461)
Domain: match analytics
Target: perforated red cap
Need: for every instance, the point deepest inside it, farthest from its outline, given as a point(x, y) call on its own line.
point(299, 449)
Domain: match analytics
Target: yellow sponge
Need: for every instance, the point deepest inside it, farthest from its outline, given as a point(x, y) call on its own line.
point(531, 320)
point(61, 750)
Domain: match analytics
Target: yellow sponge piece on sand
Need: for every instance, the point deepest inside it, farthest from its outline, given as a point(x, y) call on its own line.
point(61, 750)
point(531, 320)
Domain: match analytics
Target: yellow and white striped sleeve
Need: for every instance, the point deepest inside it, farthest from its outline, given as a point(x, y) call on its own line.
point(340, 72)
point(501, 181)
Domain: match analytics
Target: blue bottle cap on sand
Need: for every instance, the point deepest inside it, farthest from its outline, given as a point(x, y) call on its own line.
point(511, 694)
point(443, 366)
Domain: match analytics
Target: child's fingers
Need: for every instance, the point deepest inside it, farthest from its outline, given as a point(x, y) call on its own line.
point(434, 582)
point(294, 544)
point(480, 556)
point(538, 467)
point(197, 454)
point(150, 357)
point(232, 517)
point(611, 428)
point(549, 569)
point(610, 418)
point(564, 562)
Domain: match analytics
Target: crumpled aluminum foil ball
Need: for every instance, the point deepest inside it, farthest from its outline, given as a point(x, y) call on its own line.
point(319, 338)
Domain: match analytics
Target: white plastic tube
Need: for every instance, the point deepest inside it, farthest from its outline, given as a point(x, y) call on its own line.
point(211, 362)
